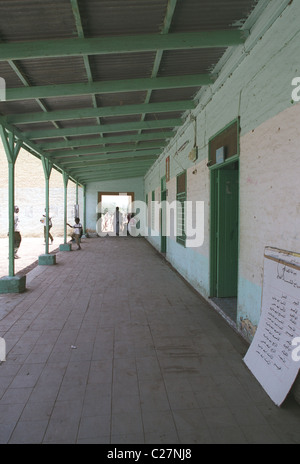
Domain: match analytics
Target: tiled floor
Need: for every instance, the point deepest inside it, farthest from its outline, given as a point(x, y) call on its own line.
point(111, 346)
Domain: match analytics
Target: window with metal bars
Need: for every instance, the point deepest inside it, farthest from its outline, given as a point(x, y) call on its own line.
point(181, 199)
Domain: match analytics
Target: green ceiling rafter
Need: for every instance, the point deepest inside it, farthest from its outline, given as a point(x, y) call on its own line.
point(159, 53)
point(110, 175)
point(121, 44)
point(113, 176)
point(78, 22)
point(104, 172)
point(125, 110)
point(159, 135)
point(25, 82)
point(97, 150)
point(129, 160)
point(83, 161)
point(126, 85)
point(84, 130)
point(119, 164)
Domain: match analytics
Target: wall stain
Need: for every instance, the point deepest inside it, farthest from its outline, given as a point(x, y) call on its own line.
point(247, 328)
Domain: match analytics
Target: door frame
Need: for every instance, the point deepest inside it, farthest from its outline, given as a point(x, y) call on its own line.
point(100, 194)
point(129, 194)
point(214, 220)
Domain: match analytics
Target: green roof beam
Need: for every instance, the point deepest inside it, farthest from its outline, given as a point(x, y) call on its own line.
point(84, 130)
point(114, 159)
point(126, 85)
point(114, 176)
point(112, 173)
point(113, 149)
point(121, 44)
point(118, 139)
point(125, 110)
point(119, 165)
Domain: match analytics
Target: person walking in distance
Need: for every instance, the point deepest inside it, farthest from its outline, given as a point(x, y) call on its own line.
point(77, 232)
point(17, 233)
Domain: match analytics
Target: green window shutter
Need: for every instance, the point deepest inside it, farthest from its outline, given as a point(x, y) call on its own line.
point(181, 198)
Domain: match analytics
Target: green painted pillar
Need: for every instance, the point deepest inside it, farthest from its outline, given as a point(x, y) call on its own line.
point(84, 210)
point(11, 214)
point(12, 146)
point(65, 246)
point(47, 259)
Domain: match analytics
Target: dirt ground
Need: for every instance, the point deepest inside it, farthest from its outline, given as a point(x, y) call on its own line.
point(29, 251)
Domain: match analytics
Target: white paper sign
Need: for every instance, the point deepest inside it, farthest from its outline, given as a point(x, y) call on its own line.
point(270, 356)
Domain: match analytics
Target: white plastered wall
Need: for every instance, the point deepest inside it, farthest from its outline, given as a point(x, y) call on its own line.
point(259, 92)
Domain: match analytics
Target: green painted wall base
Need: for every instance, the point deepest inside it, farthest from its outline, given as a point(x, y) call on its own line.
point(14, 284)
point(65, 247)
point(47, 260)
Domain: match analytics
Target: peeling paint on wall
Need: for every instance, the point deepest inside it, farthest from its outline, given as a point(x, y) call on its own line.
point(247, 329)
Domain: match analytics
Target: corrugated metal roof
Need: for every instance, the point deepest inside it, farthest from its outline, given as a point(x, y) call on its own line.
point(196, 15)
point(119, 17)
point(86, 97)
point(22, 20)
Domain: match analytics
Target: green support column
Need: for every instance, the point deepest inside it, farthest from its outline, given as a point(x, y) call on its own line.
point(47, 259)
point(65, 246)
point(84, 211)
point(12, 146)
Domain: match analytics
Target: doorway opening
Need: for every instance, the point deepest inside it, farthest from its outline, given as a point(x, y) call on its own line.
point(115, 212)
point(224, 237)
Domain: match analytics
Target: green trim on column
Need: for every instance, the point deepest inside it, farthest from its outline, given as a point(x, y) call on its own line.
point(65, 246)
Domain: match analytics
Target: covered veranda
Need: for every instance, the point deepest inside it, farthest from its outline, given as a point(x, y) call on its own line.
point(97, 91)
point(112, 346)
point(109, 344)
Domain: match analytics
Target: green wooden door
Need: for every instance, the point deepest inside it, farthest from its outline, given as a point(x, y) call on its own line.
point(163, 242)
point(227, 233)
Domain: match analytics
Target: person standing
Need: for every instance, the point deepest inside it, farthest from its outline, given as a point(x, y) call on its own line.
point(43, 221)
point(77, 232)
point(17, 233)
